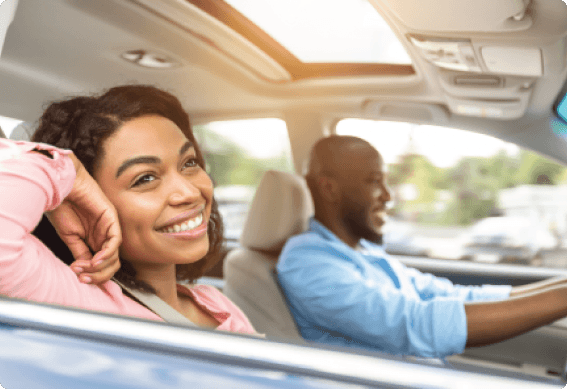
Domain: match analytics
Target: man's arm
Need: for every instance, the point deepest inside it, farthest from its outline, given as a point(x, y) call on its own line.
point(522, 290)
point(491, 322)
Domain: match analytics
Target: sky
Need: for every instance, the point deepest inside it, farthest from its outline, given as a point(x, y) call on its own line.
point(265, 138)
point(340, 30)
point(262, 138)
point(442, 146)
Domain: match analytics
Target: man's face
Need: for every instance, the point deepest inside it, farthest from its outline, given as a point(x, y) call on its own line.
point(364, 195)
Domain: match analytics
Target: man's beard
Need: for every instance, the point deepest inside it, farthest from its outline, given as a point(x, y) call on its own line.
point(356, 221)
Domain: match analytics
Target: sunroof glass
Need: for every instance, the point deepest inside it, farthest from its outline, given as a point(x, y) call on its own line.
point(326, 31)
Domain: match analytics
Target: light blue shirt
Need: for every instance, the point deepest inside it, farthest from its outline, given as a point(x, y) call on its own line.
point(365, 298)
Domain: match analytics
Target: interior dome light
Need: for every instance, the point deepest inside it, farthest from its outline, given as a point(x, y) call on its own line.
point(149, 60)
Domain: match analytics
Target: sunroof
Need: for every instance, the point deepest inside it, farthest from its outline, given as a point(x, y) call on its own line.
point(326, 31)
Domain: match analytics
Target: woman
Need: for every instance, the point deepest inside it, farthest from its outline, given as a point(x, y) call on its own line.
point(134, 187)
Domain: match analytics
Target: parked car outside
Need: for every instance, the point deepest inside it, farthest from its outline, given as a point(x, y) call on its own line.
point(233, 202)
point(507, 239)
point(400, 238)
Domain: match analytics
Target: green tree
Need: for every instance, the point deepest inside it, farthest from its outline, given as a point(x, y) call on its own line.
point(537, 170)
point(416, 170)
point(229, 164)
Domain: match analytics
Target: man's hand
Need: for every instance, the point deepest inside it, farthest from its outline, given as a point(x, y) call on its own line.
point(86, 218)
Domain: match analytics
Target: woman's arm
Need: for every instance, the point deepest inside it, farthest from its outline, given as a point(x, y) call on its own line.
point(31, 183)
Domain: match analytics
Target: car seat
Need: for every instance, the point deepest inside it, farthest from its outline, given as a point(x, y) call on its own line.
point(280, 208)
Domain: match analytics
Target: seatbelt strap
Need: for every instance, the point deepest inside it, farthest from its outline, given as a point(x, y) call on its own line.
point(156, 305)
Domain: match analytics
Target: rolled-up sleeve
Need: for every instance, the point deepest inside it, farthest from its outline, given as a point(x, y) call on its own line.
point(31, 183)
point(429, 286)
point(330, 292)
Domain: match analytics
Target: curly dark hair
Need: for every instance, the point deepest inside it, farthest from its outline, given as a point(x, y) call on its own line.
point(82, 124)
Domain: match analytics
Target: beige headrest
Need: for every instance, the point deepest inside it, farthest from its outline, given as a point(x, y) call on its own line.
point(281, 208)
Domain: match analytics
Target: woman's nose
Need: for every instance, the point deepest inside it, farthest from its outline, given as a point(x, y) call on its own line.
point(183, 190)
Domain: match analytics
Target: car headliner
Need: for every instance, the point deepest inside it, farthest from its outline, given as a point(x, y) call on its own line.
point(66, 47)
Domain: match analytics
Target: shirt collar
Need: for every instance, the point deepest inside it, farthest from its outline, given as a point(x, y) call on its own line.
point(316, 226)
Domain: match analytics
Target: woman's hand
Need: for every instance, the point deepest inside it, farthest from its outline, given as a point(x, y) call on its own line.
point(86, 218)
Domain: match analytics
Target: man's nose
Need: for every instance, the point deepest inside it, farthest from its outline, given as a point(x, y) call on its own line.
point(385, 195)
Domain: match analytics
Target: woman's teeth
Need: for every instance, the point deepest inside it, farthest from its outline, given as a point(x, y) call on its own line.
point(185, 226)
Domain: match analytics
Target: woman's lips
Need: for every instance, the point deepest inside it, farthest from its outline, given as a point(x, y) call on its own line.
point(184, 225)
point(193, 233)
point(183, 217)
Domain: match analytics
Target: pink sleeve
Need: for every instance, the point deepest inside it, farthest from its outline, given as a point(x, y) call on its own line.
point(31, 183)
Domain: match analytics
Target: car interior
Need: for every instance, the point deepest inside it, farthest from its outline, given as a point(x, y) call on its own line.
point(489, 67)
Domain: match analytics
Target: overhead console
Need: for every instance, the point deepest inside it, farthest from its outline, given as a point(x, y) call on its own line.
point(482, 80)
point(459, 54)
point(489, 56)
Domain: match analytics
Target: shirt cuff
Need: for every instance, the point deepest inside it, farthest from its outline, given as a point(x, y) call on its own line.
point(494, 292)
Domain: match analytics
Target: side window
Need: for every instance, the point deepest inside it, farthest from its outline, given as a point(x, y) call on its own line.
point(459, 195)
point(7, 125)
point(237, 153)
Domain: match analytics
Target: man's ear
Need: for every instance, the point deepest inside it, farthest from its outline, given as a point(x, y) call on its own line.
point(329, 188)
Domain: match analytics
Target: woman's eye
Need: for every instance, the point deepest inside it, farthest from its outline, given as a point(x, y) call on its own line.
point(192, 162)
point(144, 180)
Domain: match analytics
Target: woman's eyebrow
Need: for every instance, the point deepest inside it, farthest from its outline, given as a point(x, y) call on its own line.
point(148, 159)
point(186, 146)
point(134, 161)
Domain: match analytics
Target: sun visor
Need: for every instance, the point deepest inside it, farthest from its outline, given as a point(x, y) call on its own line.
point(463, 15)
point(7, 12)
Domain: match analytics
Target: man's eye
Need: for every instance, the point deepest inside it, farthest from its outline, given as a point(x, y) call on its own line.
point(146, 178)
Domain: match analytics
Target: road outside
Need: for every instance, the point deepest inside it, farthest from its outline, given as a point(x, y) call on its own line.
point(446, 243)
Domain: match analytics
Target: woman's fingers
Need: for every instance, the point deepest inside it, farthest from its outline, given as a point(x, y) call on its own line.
point(102, 272)
point(110, 247)
point(105, 274)
point(105, 262)
point(78, 248)
point(99, 269)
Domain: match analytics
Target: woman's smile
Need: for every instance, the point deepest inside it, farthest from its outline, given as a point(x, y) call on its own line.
point(183, 221)
point(189, 229)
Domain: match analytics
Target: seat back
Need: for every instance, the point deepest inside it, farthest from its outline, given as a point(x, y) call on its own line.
point(280, 209)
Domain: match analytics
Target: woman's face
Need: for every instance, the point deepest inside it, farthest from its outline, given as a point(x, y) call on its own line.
point(163, 197)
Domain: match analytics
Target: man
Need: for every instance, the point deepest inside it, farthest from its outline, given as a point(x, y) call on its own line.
point(345, 290)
